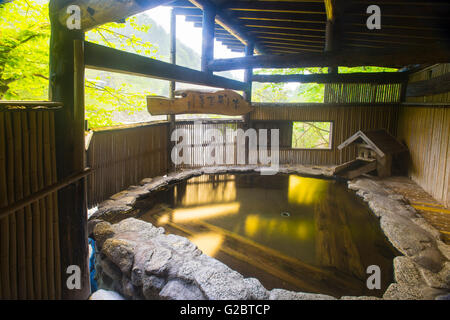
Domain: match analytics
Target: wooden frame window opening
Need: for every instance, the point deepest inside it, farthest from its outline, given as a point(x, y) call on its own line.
point(312, 135)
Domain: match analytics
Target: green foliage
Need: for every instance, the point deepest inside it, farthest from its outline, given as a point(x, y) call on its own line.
point(24, 57)
point(311, 135)
point(24, 44)
point(365, 69)
point(300, 92)
point(281, 92)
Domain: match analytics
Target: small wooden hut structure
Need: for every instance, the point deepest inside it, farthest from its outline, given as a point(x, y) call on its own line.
point(45, 193)
point(375, 151)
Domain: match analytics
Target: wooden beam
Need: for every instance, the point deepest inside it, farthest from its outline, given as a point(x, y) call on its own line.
point(248, 76)
point(188, 11)
point(286, 25)
point(330, 9)
point(376, 77)
point(208, 23)
point(332, 34)
point(173, 60)
point(281, 16)
point(347, 58)
point(44, 192)
point(97, 12)
point(229, 23)
point(65, 82)
point(283, 6)
point(436, 85)
point(113, 60)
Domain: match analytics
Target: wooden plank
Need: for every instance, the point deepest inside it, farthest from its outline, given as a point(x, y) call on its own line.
point(287, 25)
point(225, 102)
point(360, 77)
point(97, 12)
point(355, 168)
point(348, 58)
point(432, 86)
point(113, 60)
point(281, 16)
point(280, 6)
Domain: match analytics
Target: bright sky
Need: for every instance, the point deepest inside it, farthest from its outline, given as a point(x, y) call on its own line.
point(191, 36)
point(187, 33)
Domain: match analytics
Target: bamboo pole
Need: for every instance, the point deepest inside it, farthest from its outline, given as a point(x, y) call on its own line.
point(4, 223)
point(55, 207)
point(12, 220)
point(18, 190)
point(28, 213)
point(49, 204)
point(42, 207)
point(36, 207)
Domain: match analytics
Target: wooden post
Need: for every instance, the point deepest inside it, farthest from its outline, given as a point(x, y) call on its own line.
point(248, 75)
point(173, 60)
point(330, 42)
point(66, 86)
point(209, 16)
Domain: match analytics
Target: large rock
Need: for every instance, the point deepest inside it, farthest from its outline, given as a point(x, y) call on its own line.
point(105, 295)
point(109, 268)
point(439, 280)
point(120, 252)
point(151, 286)
point(399, 291)
point(158, 262)
point(255, 289)
point(406, 237)
point(281, 294)
point(102, 232)
point(180, 290)
point(359, 298)
point(406, 272)
point(218, 282)
point(430, 258)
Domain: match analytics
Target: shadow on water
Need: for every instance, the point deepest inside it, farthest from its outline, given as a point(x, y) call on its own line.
point(290, 232)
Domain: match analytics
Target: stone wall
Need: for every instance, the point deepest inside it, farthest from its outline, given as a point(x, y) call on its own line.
point(139, 261)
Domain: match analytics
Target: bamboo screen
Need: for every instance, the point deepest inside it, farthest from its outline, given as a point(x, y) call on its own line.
point(426, 74)
point(426, 131)
point(199, 148)
point(346, 120)
point(123, 156)
point(362, 93)
point(29, 239)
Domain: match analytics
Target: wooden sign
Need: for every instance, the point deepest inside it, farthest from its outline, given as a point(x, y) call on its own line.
point(226, 102)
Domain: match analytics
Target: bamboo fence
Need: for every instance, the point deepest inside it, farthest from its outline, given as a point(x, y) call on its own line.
point(123, 156)
point(29, 239)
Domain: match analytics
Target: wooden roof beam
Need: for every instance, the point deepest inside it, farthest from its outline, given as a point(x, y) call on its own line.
point(334, 10)
point(229, 23)
point(97, 12)
point(360, 77)
point(346, 58)
point(275, 6)
point(107, 59)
